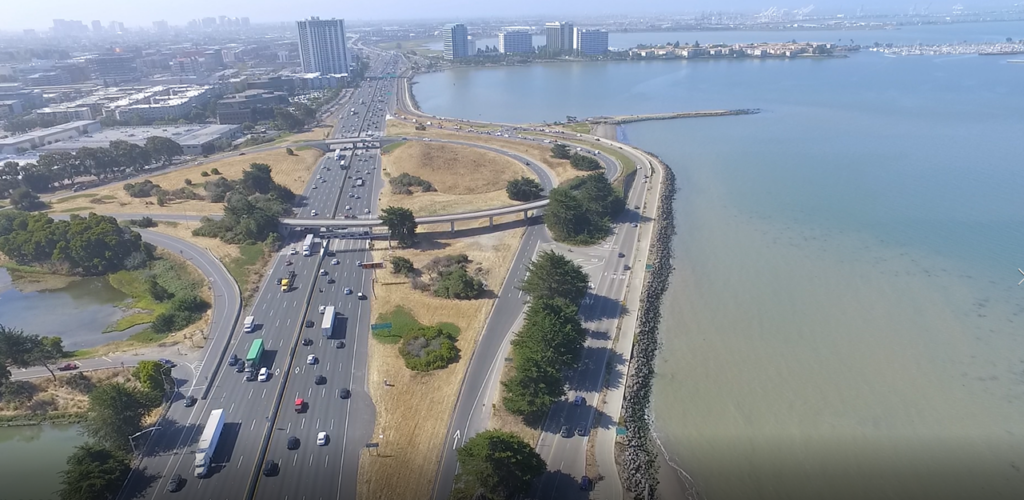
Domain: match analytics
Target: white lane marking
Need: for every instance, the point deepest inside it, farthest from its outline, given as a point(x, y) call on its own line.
point(294, 458)
point(253, 426)
point(289, 428)
point(302, 424)
point(232, 407)
point(264, 394)
point(250, 393)
point(325, 465)
point(310, 464)
point(332, 424)
point(240, 461)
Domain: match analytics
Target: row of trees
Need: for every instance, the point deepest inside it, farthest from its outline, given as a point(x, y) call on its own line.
point(90, 246)
point(581, 211)
point(57, 169)
point(578, 161)
point(549, 341)
point(253, 206)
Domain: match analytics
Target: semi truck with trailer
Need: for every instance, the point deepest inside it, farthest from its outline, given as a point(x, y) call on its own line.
point(288, 281)
point(208, 442)
point(307, 245)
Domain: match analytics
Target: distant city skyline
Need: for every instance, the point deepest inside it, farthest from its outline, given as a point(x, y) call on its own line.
point(39, 16)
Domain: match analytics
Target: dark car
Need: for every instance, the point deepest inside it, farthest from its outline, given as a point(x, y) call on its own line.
point(175, 483)
point(293, 443)
point(566, 432)
point(190, 401)
point(344, 393)
point(240, 367)
point(67, 366)
point(233, 360)
point(250, 376)
point(330, 253)
point(167, 362)
point(320, 380)
point(279, 280)
point(269, 468)
point(585, 483)
point(625, 267)
point(581, 429)
point(339, 344)
point(310, 323)
point(307, 341)
point(330, 280)
point(621, 255)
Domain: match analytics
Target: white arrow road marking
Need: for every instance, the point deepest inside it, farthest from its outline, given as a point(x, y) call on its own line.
point(456, 442)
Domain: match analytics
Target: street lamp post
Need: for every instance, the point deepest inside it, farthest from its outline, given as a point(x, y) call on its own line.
point(137, 434)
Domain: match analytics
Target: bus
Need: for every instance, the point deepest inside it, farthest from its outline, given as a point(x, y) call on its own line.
point(255, 352)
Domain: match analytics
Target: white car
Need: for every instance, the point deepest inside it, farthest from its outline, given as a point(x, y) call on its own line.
point(292, 251)
point(366, 210)
point(313, 187)
point(348, 207)
point(312, 212)
point(335, 262)
point(322, 308)
point(264, 374)
point(311, 359)
point(321, 438)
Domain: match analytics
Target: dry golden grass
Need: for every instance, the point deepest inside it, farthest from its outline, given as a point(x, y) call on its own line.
point(183, 231)
point(539, 152)
point(316, 134)
point(50, 396)
point(412, 414)
point(290, 171)
point(466, 178)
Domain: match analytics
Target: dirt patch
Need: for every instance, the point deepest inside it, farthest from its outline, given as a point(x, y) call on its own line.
point(291, 171)
point(535, 151)
point(466, 178)
point(413, 412)
point(35, 399)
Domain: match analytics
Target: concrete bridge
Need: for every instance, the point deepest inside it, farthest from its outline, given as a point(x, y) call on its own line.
point(490, 214)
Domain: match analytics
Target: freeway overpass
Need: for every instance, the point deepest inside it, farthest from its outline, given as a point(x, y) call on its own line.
point(490, 214)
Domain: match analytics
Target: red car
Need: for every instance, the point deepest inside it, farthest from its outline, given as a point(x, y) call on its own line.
point(67, 366)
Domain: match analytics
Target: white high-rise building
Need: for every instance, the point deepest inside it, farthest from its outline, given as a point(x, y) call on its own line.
point(590, 42)
point(456, 41)
point(559, 36)
point(515, 42)
point(322, 46)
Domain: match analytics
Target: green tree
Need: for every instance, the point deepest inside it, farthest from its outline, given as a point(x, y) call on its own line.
point(552, 275)
point(498, 464)
point(524, 189)
point(157, 291)
point(401, 223)
point(153, 376)
point(130, 156)
point(459, 285)
point(93, 473)
point(584, 162)
point(163, 149)
point(581, 210)
point(15, 347)
point(560, 151)
point(47, 352)
point(286, 120)
point(401, 265)
point(116, 411)
point(25, 199)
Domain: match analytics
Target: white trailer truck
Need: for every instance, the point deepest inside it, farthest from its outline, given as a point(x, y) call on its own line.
point(208, 442)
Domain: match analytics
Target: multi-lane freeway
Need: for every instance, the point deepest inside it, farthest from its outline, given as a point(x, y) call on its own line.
point(255, 410)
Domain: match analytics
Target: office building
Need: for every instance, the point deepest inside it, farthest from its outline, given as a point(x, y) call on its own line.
point(470, 46)
point(558, 36)
point(9, 108)
point(515, 42)
point(47, 79)
point(275, 83)
point(52, 135)
point(116, 27)
point(29, 99)
point(194, 139)
point(114, 67)
point(187, 66)
point(250, 106)
point(590, 42)
point(456, 41)
point(307, 82)
point(322, 46)
point(97, 27)
point(72, 27)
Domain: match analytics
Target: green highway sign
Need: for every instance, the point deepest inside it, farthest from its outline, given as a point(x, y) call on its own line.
point(620, 431)
point(380, 326)
point(650, 266)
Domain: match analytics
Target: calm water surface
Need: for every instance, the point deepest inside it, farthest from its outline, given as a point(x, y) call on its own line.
point(31, 459)
point(845, 320)
point(77, 313)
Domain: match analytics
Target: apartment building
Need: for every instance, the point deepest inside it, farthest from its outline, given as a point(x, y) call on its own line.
point(456, 41)
point(322, 46)
point(588, 42)
point(515, 42)
point(559, 36)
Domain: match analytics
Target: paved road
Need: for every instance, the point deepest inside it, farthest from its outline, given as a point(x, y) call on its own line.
point(249, 406)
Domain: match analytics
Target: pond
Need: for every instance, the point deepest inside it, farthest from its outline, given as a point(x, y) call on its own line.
point(78, 312)
point(32, 457)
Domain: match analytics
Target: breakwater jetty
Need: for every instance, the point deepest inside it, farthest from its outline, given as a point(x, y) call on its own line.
point(637, 453)
point(618, 120)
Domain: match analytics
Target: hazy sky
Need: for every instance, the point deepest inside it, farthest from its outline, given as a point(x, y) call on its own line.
point(21, 14)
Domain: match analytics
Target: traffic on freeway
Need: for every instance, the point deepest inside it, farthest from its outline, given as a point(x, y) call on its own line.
point(248, 389)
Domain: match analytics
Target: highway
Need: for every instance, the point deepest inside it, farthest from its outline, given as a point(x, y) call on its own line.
point(249, 406)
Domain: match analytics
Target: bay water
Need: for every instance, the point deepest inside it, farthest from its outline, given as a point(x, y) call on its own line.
point(844, 319)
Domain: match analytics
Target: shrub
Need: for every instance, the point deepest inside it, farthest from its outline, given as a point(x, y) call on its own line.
point(289, 151)
point(404, 181)
point(214, 171)
point(584, 162)
point(421, 127)
point(401, 265)
point(428, 348)
point(143, 189)
point(204, 174)
point(188, 182)
point(459, 285)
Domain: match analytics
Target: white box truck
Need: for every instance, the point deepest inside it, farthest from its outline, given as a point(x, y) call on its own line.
point(328, 324)
point(249, 325)
point(208, 442)
point(307, 245)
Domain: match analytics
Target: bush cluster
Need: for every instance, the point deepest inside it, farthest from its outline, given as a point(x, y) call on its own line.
point(253, 205)
point(428, 348)
point(449, 279)
point(580, 212)
point(404, 182)
point(584, 162)
point(143, 189)
point(184, 310)
point(524, 189)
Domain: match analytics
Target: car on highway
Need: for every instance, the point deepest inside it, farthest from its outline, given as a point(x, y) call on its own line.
point(348, 291)
point(359, 263)
point(339, 344)
point(306, 341)
point(67, 366)
point(366, 210)
point(233, 360)
point(240, 366)
point(335, 262)
point(313, 186)
point(293, 443)
point(360, 296)
point(321, 438)
point(634, 224)
point(621, 255)
point(330, 279)
point(311, 359)
point(190, 401)
point(344, 393)
point(351, 195)
point(581, 429)
point(320, 380)
point(175, 483)
point(585, 483)
point(578, 401)
point(323, 272)
point(348, 207)
point(312, 212)
point(566, 432)
point(269, 468)
point(264, 374)
point(310, 323)
point(322, 309)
